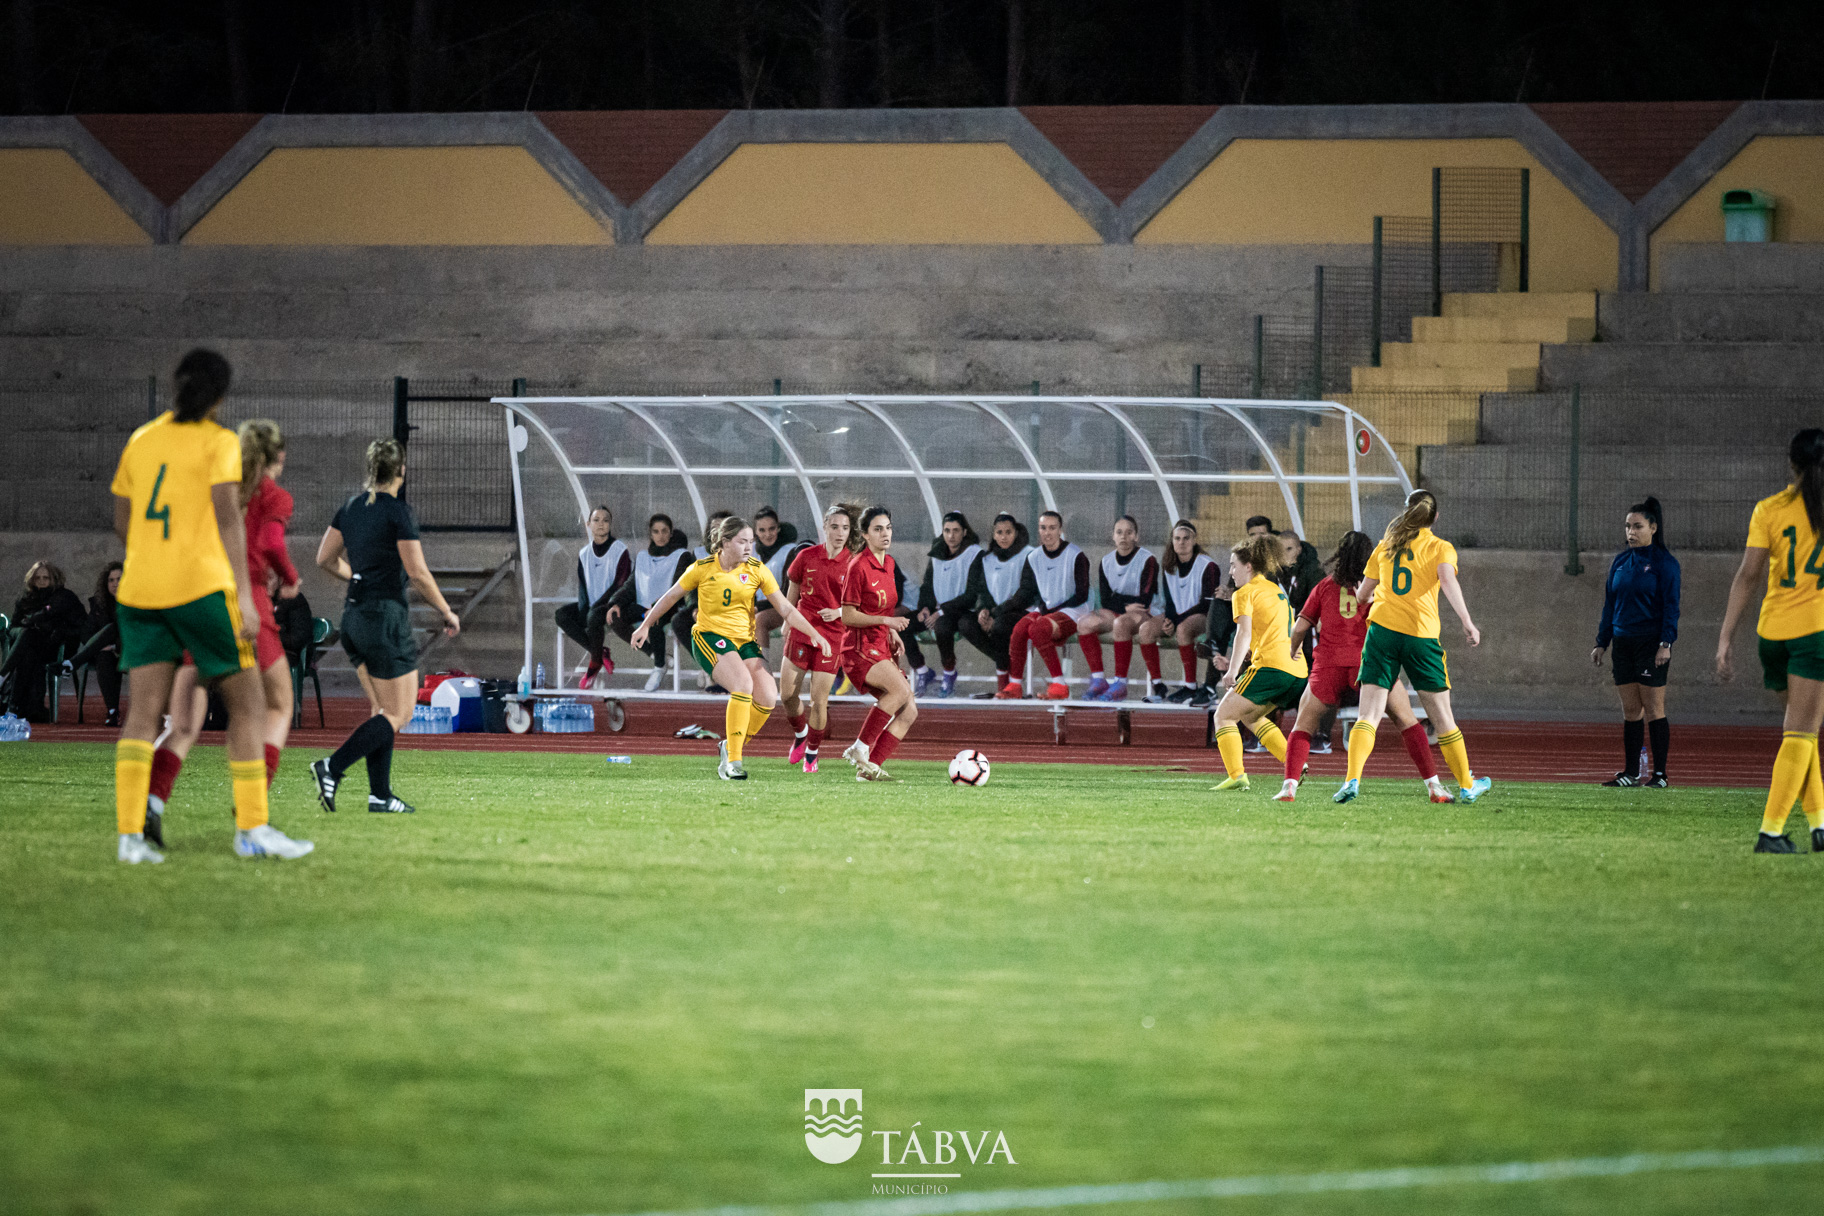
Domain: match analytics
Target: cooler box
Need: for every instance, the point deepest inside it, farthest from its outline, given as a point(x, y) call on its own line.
point(461, 695)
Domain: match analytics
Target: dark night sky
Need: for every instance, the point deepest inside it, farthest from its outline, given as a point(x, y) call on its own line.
point(71, 56)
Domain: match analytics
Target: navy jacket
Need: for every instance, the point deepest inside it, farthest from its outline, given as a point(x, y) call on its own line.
point(1642, 597)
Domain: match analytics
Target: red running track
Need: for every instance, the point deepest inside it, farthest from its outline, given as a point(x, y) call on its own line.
point(1736, 756)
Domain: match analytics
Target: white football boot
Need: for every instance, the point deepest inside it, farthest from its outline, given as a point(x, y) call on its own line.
point(268, 841)
point(134, 849)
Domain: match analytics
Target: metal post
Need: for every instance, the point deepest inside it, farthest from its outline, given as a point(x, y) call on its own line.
point(778, 387)
point(1120, 467)
point(1572, 564)
point(1526, 226)
point(1437, 242)
point(1317, 336)
point(402, 410)
point(1259, 352)
point(1301, 466)
point(773, 496)
point(151, 397)
point(1032, 499)
point(1374, 302)
point(1196, 379)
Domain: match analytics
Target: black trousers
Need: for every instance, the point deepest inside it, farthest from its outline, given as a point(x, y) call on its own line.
point(30, 664)
point(944, 628)
point(587, 629)
point(993, 642)
point(101, 652)
point(655, 637)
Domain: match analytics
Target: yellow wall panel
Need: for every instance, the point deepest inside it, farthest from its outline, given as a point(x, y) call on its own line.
point(1328, 191)
point(1789, 167)
point(873, 194)
point(489, 195)
point(46, 198)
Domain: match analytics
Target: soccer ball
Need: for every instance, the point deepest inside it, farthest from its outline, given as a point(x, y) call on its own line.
point(969, 767)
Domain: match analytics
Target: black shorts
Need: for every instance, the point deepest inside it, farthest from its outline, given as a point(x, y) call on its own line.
point(378, 636)
point(1632, 661)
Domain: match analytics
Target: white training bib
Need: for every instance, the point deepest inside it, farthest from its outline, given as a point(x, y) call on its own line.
point(950, 575)
point(1125, 580)
point(1057, 579)
point(1002, 574)
point(1184, 590)
point(598, 572)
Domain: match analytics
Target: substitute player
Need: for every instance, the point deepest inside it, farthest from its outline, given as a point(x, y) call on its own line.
point(1402, 580)
point(186, 588)
point(1275, 676)
point(1053, 597)
point(870, 654)
point(1127, 580)
point(1188, 582)
point(1342, 626)
point(722, 640)
point(993, 588)
point(814, 583)
point(1786, 540)
point(944, 601)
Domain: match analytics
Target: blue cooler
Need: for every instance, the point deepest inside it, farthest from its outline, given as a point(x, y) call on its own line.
point(461, 695)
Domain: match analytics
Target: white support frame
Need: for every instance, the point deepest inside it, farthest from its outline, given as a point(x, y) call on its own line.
point(651, 412)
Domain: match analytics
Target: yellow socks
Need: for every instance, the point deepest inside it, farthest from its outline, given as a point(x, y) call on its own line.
point(1228, 742)
point(1361, 746)
point(1457, 756)
point(756, 718)
point(1813, 797)
point(1798, 752)
point(1271, 737)
point(132, 782)
point(249, 792)
point(739, 705)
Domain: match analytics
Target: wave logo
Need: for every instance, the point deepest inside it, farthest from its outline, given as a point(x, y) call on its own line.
point(831, 1131)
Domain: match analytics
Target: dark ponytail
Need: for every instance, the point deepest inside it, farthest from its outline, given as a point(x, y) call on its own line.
point(201, 379)
point(1648, 509)
point(1807, 456)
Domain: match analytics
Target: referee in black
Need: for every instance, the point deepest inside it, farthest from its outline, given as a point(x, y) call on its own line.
point(373, 546)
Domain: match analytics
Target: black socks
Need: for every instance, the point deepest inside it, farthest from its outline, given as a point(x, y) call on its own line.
point(372, 739)
point(1633, 734)
point(1659, 733)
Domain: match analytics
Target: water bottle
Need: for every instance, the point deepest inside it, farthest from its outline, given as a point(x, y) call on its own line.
point(523, 688)
point(620, 759)
point(541, 677)
point(14, 729)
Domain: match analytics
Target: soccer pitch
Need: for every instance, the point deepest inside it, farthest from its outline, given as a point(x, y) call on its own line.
point(567, 987)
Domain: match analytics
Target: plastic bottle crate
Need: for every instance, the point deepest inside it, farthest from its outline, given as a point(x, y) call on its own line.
point(429, 720)
point(564, 717)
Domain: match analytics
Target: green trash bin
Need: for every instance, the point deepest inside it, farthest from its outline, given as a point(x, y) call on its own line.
point(1747, 215)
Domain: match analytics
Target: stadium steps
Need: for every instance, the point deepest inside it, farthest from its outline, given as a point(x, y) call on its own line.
point(1686, 365)
point(1482, 342)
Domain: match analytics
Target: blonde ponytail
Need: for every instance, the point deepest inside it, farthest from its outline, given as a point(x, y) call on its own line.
point(1421, 512)
point(261, 443)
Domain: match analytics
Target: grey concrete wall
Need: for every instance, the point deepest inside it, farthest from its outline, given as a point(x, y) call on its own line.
point(1713, 316)
point(1723, 266)
point(1787, 366)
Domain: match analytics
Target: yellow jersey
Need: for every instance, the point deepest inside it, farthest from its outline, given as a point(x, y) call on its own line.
point(725, 598)
point(1406, 584)
point(1264, 602)
point(174, 550)
point(1794, 604)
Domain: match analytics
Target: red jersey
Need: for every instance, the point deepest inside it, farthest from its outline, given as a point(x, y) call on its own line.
point(268, 511)
point(820, 580)
point(1342, 625)
point(871, 588)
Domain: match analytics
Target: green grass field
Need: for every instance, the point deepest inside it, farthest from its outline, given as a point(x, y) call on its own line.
point(569, 987)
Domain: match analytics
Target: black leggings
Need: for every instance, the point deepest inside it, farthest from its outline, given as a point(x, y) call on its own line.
point(587, 629)
point(944, 627)
point(655, 637)
point(908, 637)
point(992, 642)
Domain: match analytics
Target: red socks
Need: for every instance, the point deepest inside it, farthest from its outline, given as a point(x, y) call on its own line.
point(1419, 748)
point(272, 764)
point(811, 740)
point(165, 766)
point(1048, 651)
point(1188, 656)
point(1124, 658)
point(1149, 654)
point(872, 726)
point(798, 722)
point(883, 751)
point(1298, 750)
point(1016, 648)
point(1092, 651)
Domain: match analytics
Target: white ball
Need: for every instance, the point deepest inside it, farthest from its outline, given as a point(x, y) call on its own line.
point(969, 767)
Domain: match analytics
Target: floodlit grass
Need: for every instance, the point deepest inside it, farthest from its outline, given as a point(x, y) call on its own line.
point(569, 987)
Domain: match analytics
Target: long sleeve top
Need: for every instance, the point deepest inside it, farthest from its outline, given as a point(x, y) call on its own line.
point(1641, 597)
point(1029, 595)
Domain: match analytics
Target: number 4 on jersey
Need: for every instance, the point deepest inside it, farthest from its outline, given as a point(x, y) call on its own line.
point(155, 512)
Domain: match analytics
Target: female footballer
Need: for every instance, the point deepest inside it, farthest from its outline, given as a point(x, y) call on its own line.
point(1341, 627)
point(1786, 540)
point(994, 584)
point(1402, 580)
point(943, 598)
point(1640, 618)
point(871, 651)
point(1188, 577)
point(814, 583)
point(1127, 581)
point(1275, 678)
point(722, 640)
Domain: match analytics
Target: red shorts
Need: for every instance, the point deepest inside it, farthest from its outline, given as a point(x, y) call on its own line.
point(801, 652)
point(858, 661)
point(1335, 685)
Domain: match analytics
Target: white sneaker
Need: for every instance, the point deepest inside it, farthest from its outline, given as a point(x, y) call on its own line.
point(867, 770)
point(268, 841)
point(134, 849)
point(655, 679)
point(856, 753)
point(1287, 792)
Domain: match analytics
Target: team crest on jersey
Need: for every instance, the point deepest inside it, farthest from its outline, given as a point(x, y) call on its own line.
point(744, 576)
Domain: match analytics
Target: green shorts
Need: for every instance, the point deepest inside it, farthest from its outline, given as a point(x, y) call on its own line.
point(209, 628)
point(1386, 651)
point(1270, 686)
point(707, 647)
point(1802, 657)
point(377, 634)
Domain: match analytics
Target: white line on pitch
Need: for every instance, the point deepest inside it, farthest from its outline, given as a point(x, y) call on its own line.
point(1282, 1184)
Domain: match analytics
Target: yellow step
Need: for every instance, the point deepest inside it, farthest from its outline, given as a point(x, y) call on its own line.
point(1460, 354)
point(1504, 329)
point(1496, 379)
point(1521, 304)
